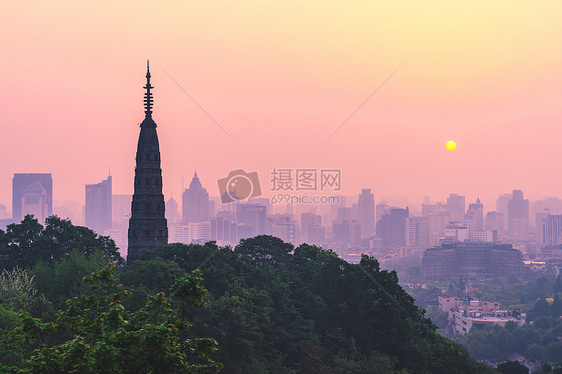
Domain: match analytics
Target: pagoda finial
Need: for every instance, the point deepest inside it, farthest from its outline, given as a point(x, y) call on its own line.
point(148, 95)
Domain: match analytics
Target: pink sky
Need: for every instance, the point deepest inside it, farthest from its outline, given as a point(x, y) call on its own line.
point(280, 77)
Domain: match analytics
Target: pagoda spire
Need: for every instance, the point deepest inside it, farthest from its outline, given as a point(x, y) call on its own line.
point(148, 228)
point(148, 95)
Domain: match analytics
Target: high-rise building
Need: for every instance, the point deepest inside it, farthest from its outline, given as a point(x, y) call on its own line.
point(121, 208)
point(284, 227)
point(381, 210)
point(195, 202)
point(366, 212)
point(437, 217)
point(312, 231)
point(495, 221)
point(502, 207)
point(148, 228)
point(456, 207)
point(549, 229)
point(518, 214)
point(392, 227)
point(417, 233)
point(224, 229)
point(552, 205)
point(22, 183)
point(252, 218)
point(345, 214)
point(172, 211)
point(98, 208)
point(347, 232)
point(35, 202)
point(474, 216)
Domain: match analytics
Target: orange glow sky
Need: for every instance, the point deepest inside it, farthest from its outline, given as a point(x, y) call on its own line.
point(280, 77)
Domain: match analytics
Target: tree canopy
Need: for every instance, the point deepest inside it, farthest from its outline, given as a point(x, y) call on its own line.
point(25, 244)
point(96, 334)
point(276, 308)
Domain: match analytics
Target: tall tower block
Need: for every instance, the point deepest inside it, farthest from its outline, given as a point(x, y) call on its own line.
point(148, 228)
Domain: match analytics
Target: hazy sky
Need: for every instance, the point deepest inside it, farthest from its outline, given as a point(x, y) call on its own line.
point(280, 77)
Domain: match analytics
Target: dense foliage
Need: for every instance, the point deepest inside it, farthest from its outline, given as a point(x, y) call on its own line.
point(275, 308)
point(25, 244)
point(272, 308)
point(537, 341)
point(96, 334)
point(512, 367)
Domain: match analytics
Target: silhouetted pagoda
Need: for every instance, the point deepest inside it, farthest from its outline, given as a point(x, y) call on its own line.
point(148, 228)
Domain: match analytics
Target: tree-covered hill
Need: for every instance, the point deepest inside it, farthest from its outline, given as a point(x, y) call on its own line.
point(278, 309)
point(271, 307)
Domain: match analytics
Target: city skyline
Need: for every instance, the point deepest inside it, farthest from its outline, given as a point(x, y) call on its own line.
point(484, 75)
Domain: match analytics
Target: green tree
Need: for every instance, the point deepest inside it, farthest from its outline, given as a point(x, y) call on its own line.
point(8, 321)
point(556, 307)
point(541, 308)
point(279, 309)
point(25, 244)
point(18, 291)
point(438, 317)
point(558, 284)
point(103, 337)
point(512, 367)
point(16, 288)
point(265, 250)
point(62, 279)
point(155, 274)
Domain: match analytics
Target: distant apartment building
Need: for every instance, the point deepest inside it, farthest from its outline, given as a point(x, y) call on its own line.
point(121, 208)
point(284, 227)
point(465, 314)
point(476, 260)
point(502, 207)
point(463, 233)
point(548, 229)
point(417, 233)
point(552, 205)
point(518, 215)
point(252, 219)
point(392, 227)
point(312, 231)
point(474, 216)
point(345, 214)
point(32, 193)
point(347, 232)
point(186, 233)
point(224, 229)
point(437, 217)
point(366, 212)
point(380, 210)
point(98, 207)
point(456, 207)
point(495, 221)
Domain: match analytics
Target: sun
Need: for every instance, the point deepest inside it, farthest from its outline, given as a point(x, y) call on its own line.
point(451, 145)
